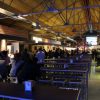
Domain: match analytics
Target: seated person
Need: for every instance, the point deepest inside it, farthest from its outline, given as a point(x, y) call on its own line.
point(29, 71)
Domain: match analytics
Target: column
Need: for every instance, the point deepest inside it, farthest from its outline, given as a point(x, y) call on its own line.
point(3, 44)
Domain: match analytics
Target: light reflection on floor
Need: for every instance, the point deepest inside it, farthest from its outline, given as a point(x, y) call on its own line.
point(94, 82)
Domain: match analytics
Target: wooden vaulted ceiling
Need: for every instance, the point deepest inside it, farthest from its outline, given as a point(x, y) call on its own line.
point(66, 17)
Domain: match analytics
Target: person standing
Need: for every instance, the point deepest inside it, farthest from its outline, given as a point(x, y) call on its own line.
point(40, 55)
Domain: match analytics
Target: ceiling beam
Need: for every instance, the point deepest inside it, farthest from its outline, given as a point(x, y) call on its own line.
point(9, 8)
point(88, 14)
point(60, 10)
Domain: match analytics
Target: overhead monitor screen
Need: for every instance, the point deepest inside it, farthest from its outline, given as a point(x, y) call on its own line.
point(91, 40)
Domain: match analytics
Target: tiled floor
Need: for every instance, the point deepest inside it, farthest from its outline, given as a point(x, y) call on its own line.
point(94, 83)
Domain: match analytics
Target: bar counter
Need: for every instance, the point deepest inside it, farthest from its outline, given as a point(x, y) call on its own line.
point(39, 92)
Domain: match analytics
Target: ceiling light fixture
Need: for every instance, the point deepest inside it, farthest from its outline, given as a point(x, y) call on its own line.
point(44, 28)
point(34, 24)
point(37, 27)
point(52, 32)
point(71, 39)
point(58, 36)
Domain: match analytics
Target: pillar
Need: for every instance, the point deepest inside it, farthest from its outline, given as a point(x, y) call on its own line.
point(3, 44)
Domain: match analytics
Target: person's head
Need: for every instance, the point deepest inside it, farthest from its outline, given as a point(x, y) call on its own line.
point(40, 49)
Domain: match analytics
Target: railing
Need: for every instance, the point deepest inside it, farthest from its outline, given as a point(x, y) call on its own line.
point(65, 74)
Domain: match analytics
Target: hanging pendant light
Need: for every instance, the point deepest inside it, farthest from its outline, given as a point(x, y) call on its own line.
point(37, 27)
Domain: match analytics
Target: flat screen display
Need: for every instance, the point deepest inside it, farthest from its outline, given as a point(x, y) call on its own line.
point(91, 40)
